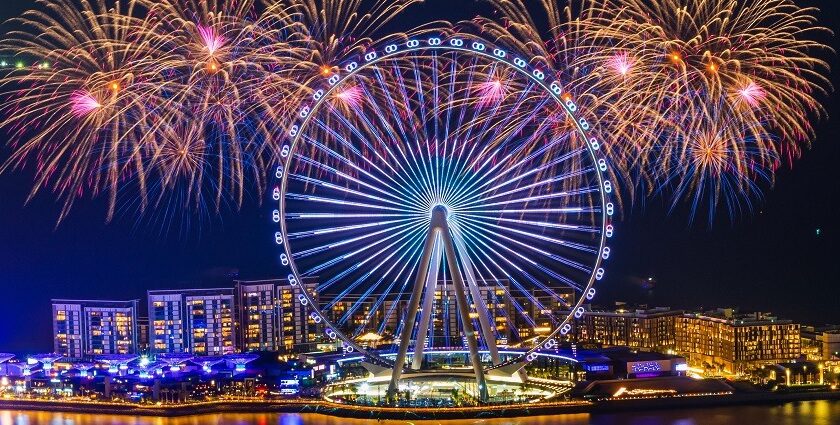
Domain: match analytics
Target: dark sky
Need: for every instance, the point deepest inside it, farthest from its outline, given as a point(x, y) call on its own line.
point(773, 261)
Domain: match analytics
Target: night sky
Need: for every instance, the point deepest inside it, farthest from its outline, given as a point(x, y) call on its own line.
point(773, 261)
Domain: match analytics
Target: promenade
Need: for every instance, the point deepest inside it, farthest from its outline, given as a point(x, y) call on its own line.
point(409, 413)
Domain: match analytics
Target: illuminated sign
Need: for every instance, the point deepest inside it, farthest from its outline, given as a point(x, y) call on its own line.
point(642, 367)
point(598, 368)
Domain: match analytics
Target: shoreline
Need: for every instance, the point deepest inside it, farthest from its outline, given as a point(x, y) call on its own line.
point(366, 412)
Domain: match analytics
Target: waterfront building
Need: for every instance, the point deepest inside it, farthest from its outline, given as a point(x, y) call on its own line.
point(92, 327)
point(518, 316)
point(641, 329)
point(299, 331)
point(726, 342)
point(272, 318)
point(624, 363)
point(166, 322)
point(821, 343)
point(197, 321)
point(257, 315)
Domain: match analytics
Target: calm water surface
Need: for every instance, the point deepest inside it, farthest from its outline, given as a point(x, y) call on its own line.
point(797, 413)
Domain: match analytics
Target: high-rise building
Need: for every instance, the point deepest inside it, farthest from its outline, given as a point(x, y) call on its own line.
point(515, 315)
point(67, 328)
point(89, 327)
point(272, 316)
point(728, 342)
point(198, 321)
point(446, 330)
point(642, 329)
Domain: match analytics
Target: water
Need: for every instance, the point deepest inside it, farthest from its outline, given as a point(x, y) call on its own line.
point(820, 412)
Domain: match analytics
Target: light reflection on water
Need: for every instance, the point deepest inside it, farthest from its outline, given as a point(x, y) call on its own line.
point(798, 413)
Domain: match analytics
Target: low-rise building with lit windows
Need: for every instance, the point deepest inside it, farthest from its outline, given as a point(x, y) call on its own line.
point(821, 343)
point(272, 318)
point(641, 329)
point(197, 321)
point(166, 322)
point(727, 342)
point(93, 327)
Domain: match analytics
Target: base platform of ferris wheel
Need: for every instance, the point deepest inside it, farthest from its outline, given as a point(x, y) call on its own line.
point(445, 388)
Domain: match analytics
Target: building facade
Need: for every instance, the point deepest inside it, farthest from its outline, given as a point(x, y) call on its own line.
point(89, 327)
point(166, 322)
point(727, 342)
point(197, 321)
point(641, 329)
point(257, 316)
point(272, 317)
point(821, 343)
point(143, 334)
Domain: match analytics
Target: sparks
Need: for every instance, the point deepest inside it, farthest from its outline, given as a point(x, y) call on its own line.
point(491, 91)
point(709, 152)
point(213, 67)
point(83, 103)
point(752, 94)
point(620, 63)
point(351, 96)
point(212, 41)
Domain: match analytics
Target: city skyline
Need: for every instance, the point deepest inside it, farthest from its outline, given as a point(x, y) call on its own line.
point(261, 316)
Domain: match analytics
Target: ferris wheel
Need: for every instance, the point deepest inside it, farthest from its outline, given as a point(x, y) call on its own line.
point(442, 193)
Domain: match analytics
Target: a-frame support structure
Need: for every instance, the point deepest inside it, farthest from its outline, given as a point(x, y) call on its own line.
point(440, 242)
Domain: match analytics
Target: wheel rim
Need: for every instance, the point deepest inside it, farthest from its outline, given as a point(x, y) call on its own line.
point(456, 123)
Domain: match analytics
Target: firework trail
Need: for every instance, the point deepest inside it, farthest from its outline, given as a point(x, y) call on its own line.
point(330, 30)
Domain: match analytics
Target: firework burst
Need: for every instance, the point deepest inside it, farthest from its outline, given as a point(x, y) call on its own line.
point(655, 70)
point(105, 106)
point(81, 117)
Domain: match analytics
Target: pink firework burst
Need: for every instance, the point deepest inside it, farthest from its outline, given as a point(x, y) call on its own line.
point(491, 91)
point(752, 94)
point(351, 96)
point(212, 41)
point(83, 103)
point(621, 63)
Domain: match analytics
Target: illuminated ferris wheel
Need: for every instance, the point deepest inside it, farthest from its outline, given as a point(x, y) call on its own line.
point(441, 193)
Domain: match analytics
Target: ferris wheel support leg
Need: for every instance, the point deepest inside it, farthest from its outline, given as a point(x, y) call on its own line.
point(428, 303)
point(464, 310)
point(411, 316)
point(487, 331)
